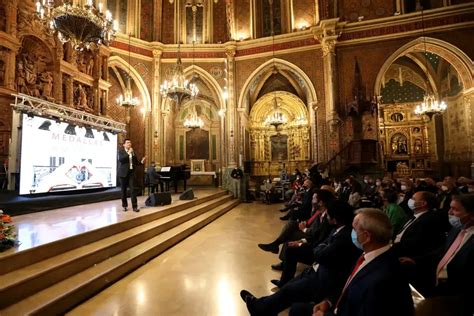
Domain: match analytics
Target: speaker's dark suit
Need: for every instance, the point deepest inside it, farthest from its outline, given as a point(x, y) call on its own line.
point(379, 288)
point(127, 176)
point(336, 257)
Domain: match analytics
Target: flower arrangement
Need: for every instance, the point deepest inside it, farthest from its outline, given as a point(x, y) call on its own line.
point(7, 232)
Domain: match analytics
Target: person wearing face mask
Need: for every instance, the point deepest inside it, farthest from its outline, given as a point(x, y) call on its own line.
point(407, 188)
point(394, 212)
point(376, 285)
point(334, 259)
point(452, 265)
point(423, 233)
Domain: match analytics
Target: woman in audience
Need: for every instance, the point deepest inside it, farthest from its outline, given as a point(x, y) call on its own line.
point(394, 212)
point(356, 193)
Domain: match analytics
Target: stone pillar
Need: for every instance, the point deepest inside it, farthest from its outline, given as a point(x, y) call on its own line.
point(156, 147)
point(231, 107)
point(69, 101)
point(11, 9)
point(57, 76)
point(327, 35)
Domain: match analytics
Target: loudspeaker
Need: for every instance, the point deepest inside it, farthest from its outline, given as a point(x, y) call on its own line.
point(162, 198)
point(187, 195)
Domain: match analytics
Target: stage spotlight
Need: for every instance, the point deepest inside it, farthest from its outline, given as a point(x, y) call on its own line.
point(89, 133)
point(106, 137)
point(70, 129)
point(45, 125)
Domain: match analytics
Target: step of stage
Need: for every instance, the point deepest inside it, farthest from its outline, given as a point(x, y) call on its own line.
point(16, 260)
point(57, 284)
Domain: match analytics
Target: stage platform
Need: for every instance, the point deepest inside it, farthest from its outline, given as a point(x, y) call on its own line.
point(36, 229)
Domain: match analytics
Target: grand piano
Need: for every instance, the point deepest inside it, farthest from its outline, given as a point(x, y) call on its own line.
point(174, 174)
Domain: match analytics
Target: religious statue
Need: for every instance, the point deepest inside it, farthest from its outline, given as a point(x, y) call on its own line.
point(47, 84)
point(81, 98)
point(20, 79)
point(30, 69)
point(418, 146)
point(90, 66)
point(399, 144)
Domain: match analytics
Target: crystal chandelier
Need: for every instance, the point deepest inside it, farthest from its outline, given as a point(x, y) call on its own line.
point(430, 105)
point(193, 121)
point(276, 118)
point(127, 99)
point(178, 88)
point(85, 27)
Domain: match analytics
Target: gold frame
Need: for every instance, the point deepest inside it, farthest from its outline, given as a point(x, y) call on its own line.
point(197, 165)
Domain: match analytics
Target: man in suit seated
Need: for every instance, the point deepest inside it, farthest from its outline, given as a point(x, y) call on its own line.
point(152, 178)
point(315, 229)
point(303, 211)
point(334, 257)
point(453, 275)
point(422, 234)
point(376, 285)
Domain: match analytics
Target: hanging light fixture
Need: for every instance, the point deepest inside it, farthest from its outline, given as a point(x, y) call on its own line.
point(86, 27)
point(179, 88)
point(193, 120)
point(127, 99)
point(430, 105)
point(276, 117)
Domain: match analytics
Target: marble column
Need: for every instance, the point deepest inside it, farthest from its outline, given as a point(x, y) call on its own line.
point(232, 128)
point(156, 148)
point(327, 36)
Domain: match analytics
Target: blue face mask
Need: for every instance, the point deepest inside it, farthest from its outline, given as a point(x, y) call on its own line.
point(455, 221)
point(355, 241)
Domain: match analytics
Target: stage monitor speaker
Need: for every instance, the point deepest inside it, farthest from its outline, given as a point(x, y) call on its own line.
point(187, 195)
point(155, 199)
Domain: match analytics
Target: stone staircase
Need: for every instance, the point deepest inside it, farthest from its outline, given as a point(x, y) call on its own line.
point(53, 278)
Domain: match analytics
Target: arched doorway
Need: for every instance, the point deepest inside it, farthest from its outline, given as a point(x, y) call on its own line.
point(420, 145)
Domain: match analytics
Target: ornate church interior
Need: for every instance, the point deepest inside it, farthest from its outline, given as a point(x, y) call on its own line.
point(378, 88)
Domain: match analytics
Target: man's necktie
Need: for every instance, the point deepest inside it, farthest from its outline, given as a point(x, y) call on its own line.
point(451, 251)
point(356, 267)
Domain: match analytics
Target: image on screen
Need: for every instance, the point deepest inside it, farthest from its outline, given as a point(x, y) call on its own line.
point(58, 156)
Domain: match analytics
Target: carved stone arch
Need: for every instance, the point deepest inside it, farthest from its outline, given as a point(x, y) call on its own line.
point(257, 92)
point(456, 57)
point(207, 78)
point(304, 81)
point(117, 61)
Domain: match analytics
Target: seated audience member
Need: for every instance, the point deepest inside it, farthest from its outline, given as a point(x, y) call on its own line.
point(376, 286)
point(355, 195)
point(303, 211)
point(453, 264)
point(394, 212)
point(448, 189)
point(422, 234)
point(407, 190)
point(335, 258)
point(315, 229)
point(303, 249)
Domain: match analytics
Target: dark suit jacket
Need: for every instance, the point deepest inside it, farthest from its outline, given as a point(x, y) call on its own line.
point(379, 288)
point(460, 269)
point(304, 210)
point(336, 256)
point(423, 236)
point(124, 163)
point(318, 230)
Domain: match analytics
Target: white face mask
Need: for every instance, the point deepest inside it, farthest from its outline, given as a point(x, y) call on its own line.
point(378, 183)
point(366, 181)
point(403, 187)
point(444, 188)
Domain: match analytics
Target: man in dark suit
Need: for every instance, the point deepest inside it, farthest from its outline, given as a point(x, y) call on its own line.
point(334, 260)
point(152, 178)
point(421, 235)
point(128, 162)
point(303, 212)
point(453, 265)
point(376, 285)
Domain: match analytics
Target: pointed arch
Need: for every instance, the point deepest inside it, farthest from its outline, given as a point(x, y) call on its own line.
point(452, 54)
point(117, 61)
point(303, 80)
